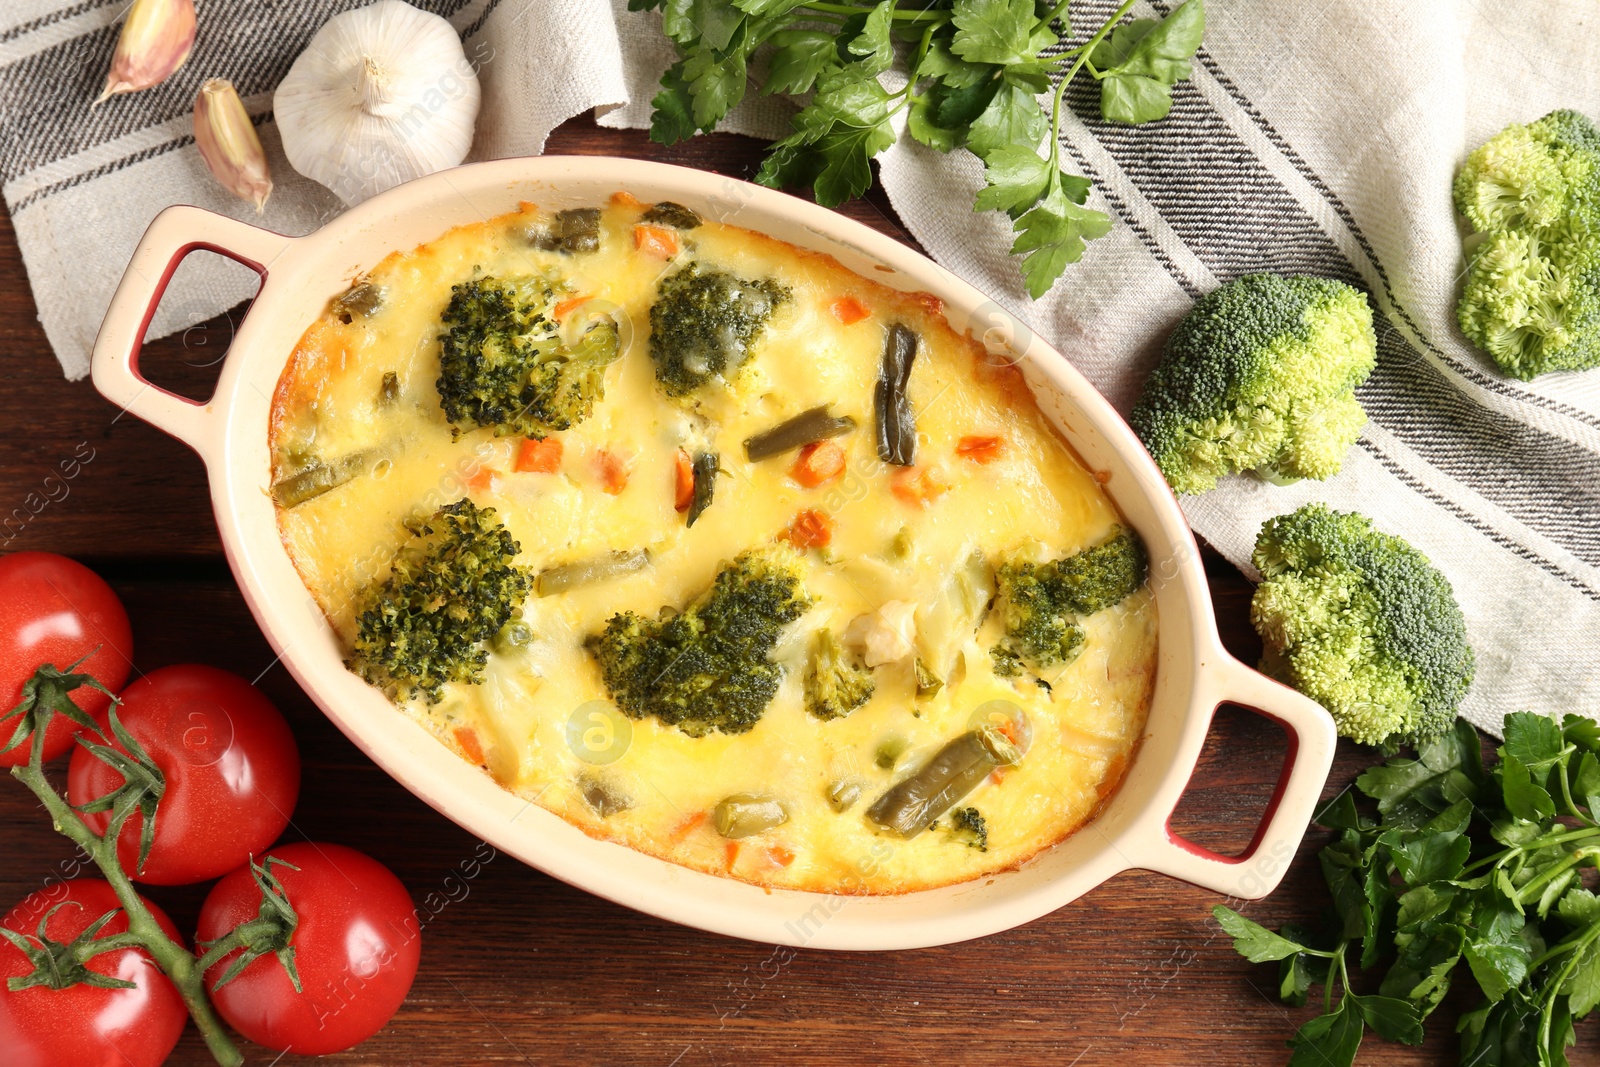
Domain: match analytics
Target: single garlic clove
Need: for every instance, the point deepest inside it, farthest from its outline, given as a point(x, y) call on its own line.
point(228, 143)
point(156, 38)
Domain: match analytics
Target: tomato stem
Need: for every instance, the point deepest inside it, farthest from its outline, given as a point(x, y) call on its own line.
point(175, 961)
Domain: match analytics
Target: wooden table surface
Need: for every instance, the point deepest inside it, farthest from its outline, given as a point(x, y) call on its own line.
point(520, 968)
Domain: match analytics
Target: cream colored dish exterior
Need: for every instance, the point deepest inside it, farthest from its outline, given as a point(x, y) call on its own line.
point(299, 275)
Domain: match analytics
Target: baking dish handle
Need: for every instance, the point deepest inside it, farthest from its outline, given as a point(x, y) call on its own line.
point(1257, 871)
point(172, 235)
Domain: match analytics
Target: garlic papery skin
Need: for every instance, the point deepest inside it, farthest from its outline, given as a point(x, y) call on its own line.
point(229, 144)
point(156, 38)
point(383, 94)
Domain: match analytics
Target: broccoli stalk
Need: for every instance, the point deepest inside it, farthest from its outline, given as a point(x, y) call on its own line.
point(451, 588)
point(706, 668)
point(836, 685)
point(704, 323)
point(1260, 375)
point(1042, 602)
point(503, 363)
point(1362, 623)
point(1532, 294)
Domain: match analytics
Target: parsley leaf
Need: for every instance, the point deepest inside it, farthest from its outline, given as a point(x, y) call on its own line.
point(1535, 740)
point(673, 118)
point(1391, 1018)
point(873, 44)
point(1052, 235)
point(1524, 798)
point(1141, 61)
point(1252, 940)
point(1012, 118)
point(1002, 32)
point(1017, 177)
point(1330, 1040)
point(799, 58)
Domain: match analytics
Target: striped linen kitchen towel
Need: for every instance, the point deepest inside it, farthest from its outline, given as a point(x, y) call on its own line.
point(1313, 138)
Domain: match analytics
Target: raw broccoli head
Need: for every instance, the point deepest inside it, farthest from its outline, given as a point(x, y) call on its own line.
point(1260, 375)
point(451, 588)
point(503, 363)
point(706, 668)
point(703, 324)
point(1362, 623)
point(1532, 295)
point(1042, 602)
point(836, 685)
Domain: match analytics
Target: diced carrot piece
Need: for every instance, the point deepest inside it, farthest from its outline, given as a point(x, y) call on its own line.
point(849, 310)
point(810, 529)
point(686, 827)
point(467, 738)
point(981, 448)
point(564, 307)
point(998, 775)
point(918, 486)
point(1010, 729)
point(683, 481)
point(779, 856)
point(622, 199)
point(731, 850)
point(819, 462)
point(538, 456)
point(655, 241)
point(613, 469)
point(483, 481)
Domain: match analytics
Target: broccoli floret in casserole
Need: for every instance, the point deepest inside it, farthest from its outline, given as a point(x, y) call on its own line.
point(1041, 603)
point(1362, 623)
point(969, 826)
point(1532, 294)
point(836, 684)
point(504, 364)
point(704, 322)
point(451, 588)
point(706, 667)
point(1260, 375)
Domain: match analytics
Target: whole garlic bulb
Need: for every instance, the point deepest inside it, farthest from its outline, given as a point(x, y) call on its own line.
point(382, 94)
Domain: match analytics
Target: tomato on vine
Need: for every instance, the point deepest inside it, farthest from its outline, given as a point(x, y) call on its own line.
point(57, 617)
point(122, 1013)
point(327, 967)
point(229, 774)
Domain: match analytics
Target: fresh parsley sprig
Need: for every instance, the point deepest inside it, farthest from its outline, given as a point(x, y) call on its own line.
point(1463, 864)
point(974, 72)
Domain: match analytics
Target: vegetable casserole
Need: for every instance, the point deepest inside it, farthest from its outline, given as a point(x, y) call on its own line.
point(715, 549)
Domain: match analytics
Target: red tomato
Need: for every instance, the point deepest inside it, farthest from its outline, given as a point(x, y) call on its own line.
point(55, 610)
point(82, 1026)
point(232, 770)
point(356, 947)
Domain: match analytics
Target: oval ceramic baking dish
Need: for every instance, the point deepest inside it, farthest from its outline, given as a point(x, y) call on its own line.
point(299, 275)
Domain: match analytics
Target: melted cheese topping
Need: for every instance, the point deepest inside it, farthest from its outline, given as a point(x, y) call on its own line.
point(540, 722)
